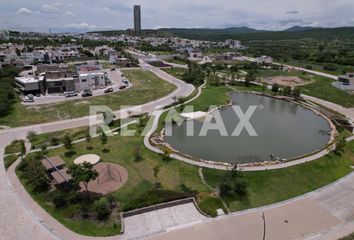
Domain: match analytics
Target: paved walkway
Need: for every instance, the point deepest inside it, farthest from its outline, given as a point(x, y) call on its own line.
point(162, 220)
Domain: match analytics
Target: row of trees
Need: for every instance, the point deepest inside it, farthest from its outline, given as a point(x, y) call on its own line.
point(287, 91)
point(8, 96)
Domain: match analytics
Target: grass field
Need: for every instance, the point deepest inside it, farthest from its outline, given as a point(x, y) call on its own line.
point(176, 72)
point(139, 189)
point(320, 88)
point(14, 147)
point(9, 159)
point(146, 87)
point(267, 187)
point(323, 89)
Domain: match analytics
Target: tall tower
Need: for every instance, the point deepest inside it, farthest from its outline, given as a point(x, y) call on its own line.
point(137, 20)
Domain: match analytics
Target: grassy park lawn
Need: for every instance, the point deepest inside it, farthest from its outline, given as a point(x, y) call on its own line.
point(176, 72)
point(47, 138)
point(267, 187)
point(323, 89)
point(139, 190)
point(178, 61)
point(146, 87)
point(9, 160)
point(210, 96)
point(320, 88)
point(14, 147)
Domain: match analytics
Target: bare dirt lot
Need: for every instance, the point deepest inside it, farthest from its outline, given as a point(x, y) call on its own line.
point(291, 81)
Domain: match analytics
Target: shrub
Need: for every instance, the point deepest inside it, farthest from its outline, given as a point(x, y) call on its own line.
point(137, 153)
point(54, 141)
point(209, 205)
point(59, 199)
point(101, 208)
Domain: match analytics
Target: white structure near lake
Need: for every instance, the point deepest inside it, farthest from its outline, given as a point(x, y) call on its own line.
point(345, 82)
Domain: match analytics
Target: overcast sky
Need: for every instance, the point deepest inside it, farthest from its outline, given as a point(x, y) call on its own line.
point(88, 15)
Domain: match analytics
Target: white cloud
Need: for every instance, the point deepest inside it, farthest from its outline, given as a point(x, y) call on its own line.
point(106, 9)
point(47, 8)
point(81, 26)
point(25, 11)
point(69, 14)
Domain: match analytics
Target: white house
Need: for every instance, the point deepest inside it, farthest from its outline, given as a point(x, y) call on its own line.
point(264, 59)
point(345, 82)
point(91, 80)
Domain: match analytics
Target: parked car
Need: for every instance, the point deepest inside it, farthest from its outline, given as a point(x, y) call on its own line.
point(122, 87)
point(108, 90)
point(28, 98)
point(86, 93)
point(70, 94)
point(126, 82)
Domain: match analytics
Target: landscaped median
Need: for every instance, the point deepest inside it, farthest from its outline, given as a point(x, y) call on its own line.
point(146, 87)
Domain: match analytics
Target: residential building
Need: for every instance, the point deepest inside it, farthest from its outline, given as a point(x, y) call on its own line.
point(264, 59)
point(345, 82)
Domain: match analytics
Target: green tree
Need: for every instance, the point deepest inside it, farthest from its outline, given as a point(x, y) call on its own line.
point(88, 140)
point(340, 145)
point(36, 175)
point(296, 93)
point(22, 148)
point(83, 173)
point(275, 87)
point(104, 139)
point(156, 170)
point(68, 141)
point(137, 153)
point(287, 91)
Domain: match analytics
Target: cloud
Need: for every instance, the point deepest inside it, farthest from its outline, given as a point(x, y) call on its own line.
point(106, 9)
point(81, 26)
point(25, 11)
point(292, 12)
point(69, 14)
point(50, 8)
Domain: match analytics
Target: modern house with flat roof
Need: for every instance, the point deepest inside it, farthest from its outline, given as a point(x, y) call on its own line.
point(53, 79)
point(345, 82)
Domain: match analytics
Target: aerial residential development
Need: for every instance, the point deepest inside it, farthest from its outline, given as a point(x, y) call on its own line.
point(175, 120)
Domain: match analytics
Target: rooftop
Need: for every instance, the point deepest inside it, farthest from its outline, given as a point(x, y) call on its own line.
point(53, 162)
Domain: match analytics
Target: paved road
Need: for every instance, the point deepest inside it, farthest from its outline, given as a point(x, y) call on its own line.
point(20, 217)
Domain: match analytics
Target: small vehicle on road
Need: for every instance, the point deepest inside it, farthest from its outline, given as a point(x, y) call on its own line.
point(70, 94)
point(86, 93)
point(28, 98)
point(122, 87)
point(126, 82)
point(113, 69)
point(108, 90)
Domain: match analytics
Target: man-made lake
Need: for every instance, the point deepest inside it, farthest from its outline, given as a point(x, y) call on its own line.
point(284, 130)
